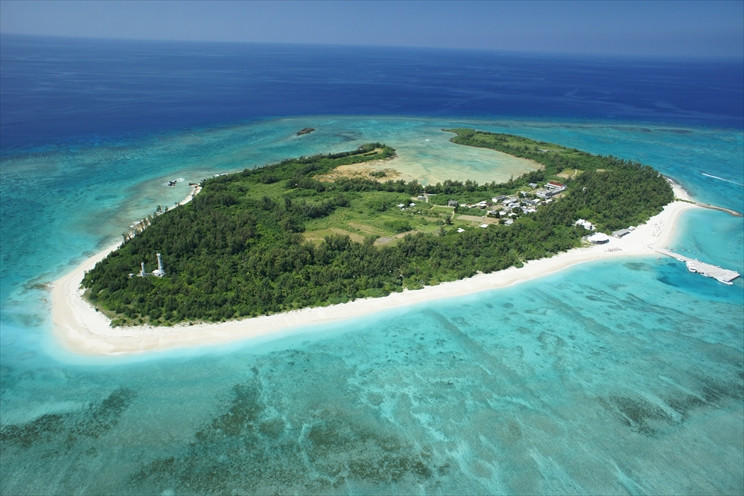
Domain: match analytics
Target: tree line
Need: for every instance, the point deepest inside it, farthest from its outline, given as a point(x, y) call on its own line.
point(237, 251)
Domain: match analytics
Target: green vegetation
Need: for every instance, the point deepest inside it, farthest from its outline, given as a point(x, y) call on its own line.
point(611, 192)
point(276, 238)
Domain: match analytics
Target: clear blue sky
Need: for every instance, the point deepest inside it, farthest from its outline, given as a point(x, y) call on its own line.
point(656, 27)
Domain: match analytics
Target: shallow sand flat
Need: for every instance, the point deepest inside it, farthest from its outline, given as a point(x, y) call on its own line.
point(413, 162)
point(81, 328)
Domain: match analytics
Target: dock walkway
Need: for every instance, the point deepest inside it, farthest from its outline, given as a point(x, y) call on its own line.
point(715, 207)
point(708, 270)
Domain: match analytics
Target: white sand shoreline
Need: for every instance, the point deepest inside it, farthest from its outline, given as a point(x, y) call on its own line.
point(80, 328)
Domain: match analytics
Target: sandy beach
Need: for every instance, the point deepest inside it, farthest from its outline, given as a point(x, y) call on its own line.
point(82, 329)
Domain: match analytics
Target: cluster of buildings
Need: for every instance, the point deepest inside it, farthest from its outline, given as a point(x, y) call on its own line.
point(510, 206)
point(502, 206)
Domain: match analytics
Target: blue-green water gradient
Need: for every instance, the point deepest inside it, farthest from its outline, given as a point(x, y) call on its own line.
point(608, 378)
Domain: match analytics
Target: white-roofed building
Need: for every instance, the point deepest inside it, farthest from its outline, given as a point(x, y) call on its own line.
point(598, 238)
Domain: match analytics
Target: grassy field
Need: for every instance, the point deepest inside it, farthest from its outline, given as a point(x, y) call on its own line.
point(569, 173)
point(377, 214)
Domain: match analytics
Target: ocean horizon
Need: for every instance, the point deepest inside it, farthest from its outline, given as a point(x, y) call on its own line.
point(623, 376)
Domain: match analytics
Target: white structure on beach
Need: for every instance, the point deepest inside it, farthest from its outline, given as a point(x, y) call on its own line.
point(598, 238)
point(160, 272)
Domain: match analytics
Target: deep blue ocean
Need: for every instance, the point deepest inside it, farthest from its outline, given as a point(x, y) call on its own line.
point(619, 377)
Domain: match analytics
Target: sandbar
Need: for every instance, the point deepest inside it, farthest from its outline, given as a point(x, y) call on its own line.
point(82, 329)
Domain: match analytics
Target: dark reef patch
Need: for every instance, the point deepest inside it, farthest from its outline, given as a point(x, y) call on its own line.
point(68, 428)
point(25, 435)
point(637, 413)
point(250, 448)
point(637, 266)
point(649, 419)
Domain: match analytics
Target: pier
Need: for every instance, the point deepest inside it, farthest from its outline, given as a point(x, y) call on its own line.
point(712, 207)
point(708, 270)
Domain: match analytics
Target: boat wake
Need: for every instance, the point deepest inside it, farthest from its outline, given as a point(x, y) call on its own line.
point(721, 179)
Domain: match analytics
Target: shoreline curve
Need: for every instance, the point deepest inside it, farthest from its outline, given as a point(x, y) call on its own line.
point(82, 329)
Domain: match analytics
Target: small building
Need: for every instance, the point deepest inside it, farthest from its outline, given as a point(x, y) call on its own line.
point(598, 238)
point(532, 185)
point(508, 222)
point(621, 232)
point(483, 226)
point(554, 185)
point(460, 230)
point(453, 203)
point(497, 199)
point(545, 194)
point(585, 224)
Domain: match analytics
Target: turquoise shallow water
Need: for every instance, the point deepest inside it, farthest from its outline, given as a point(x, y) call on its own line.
point(612, 378)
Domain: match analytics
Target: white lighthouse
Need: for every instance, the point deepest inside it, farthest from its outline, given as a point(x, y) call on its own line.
point(160, 272)
point(142, 270)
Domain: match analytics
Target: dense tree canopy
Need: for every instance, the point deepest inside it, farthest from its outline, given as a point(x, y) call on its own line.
point(279, 237)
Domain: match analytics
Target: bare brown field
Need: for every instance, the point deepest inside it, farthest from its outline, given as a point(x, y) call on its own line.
point(319, 236)
point(367, 170)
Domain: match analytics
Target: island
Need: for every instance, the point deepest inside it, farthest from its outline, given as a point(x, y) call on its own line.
point(292, 244)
